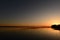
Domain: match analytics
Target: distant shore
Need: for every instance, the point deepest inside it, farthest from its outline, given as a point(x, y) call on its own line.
point(29, 27)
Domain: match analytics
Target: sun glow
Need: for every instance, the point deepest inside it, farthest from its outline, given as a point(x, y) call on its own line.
point(55, 23)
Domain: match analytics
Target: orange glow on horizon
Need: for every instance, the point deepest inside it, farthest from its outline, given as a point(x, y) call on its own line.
point(55, 22)
point(47, 23)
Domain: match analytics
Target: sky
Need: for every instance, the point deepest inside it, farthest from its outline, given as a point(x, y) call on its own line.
point(29, 12)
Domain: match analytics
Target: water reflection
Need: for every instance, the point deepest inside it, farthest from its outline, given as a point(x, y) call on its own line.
point(41, 33)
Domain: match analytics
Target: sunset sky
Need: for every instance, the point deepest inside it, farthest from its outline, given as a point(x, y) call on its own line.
point(29, 12)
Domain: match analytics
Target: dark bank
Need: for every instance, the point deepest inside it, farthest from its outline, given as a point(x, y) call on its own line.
point(56, 27)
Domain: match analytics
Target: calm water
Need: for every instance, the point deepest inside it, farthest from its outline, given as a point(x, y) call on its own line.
point(29, 34)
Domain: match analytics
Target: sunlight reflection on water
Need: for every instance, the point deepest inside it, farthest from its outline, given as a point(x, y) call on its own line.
point(41, 32)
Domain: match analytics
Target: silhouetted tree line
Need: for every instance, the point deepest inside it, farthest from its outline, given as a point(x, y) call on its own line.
point(56, 27)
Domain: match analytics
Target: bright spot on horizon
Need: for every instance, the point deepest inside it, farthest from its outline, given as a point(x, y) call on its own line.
point(55, 23)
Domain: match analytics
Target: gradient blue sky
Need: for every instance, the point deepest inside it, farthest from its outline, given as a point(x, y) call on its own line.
point(29, 12)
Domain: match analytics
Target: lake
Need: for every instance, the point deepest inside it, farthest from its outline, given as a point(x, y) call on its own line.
point(29, 34)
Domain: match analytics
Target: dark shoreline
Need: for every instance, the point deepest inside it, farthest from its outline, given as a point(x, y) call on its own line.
point(25, 27)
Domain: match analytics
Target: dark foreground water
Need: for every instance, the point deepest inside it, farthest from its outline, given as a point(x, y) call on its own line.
point(29, 34)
